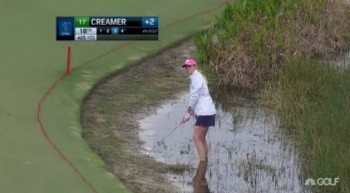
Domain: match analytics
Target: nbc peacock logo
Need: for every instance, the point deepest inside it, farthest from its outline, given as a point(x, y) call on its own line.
point(310, 182)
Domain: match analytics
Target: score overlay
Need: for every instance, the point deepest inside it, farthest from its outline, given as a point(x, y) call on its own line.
point(87, 28)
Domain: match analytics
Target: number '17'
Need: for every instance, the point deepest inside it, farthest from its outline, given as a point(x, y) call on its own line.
point(82, 21)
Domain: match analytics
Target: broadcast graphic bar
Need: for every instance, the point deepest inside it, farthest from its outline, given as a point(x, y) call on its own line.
point(90, 28)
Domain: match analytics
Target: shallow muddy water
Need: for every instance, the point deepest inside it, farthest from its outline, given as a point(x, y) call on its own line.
point(248, 153)
point(343, 60)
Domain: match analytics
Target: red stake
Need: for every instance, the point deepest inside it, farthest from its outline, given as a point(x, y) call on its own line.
point(68, 59)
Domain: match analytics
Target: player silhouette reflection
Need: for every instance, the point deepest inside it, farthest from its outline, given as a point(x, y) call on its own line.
point(199, 183)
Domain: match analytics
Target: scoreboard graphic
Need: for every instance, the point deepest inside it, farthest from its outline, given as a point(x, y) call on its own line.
point(86, 28)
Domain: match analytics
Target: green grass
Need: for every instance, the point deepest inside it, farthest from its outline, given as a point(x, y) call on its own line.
point(274, 44)
point(314, 102)
point(252, 39)
point(31, 60)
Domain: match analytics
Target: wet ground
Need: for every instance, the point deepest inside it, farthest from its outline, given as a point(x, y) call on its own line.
point(343, 60)
point(248, 153)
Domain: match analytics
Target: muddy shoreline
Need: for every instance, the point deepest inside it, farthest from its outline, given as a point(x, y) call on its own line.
point(121, 121)
point(110, 112)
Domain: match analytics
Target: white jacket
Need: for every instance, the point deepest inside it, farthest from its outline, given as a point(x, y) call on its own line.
point(200, 99)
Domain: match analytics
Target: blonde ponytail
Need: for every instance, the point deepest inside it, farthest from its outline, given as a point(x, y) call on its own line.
point(205, 78)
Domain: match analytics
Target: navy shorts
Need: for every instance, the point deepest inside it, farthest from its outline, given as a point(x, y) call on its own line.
point(205, 120)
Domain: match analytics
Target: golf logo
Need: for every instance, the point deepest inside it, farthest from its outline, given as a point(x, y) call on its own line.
point(322, 182)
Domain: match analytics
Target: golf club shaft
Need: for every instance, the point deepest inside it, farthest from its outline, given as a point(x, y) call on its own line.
point(168, 134)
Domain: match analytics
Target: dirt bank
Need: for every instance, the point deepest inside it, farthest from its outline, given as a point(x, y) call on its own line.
point(110, 112)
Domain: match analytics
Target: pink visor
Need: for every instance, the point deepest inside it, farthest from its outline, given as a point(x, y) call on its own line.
point(189, 62)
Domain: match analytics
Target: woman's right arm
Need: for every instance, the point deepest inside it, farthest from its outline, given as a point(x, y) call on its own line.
point(196, 85)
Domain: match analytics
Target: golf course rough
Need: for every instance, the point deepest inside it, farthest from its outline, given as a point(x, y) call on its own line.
point(32, 60)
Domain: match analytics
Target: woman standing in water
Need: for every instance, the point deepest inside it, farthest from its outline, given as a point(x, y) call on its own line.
point(201, 105)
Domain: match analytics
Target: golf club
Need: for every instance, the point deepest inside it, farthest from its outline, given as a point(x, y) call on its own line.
point(172, 131)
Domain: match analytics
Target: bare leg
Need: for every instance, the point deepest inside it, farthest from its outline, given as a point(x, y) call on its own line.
point(204, 141)
point(199, 134)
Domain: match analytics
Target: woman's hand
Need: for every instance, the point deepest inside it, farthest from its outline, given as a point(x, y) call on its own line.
point(184, 120)
point(186, 117)
point(190, 111)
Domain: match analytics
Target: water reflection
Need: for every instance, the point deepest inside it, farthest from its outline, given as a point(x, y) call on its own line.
point(248, 152)
point(199, 182)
